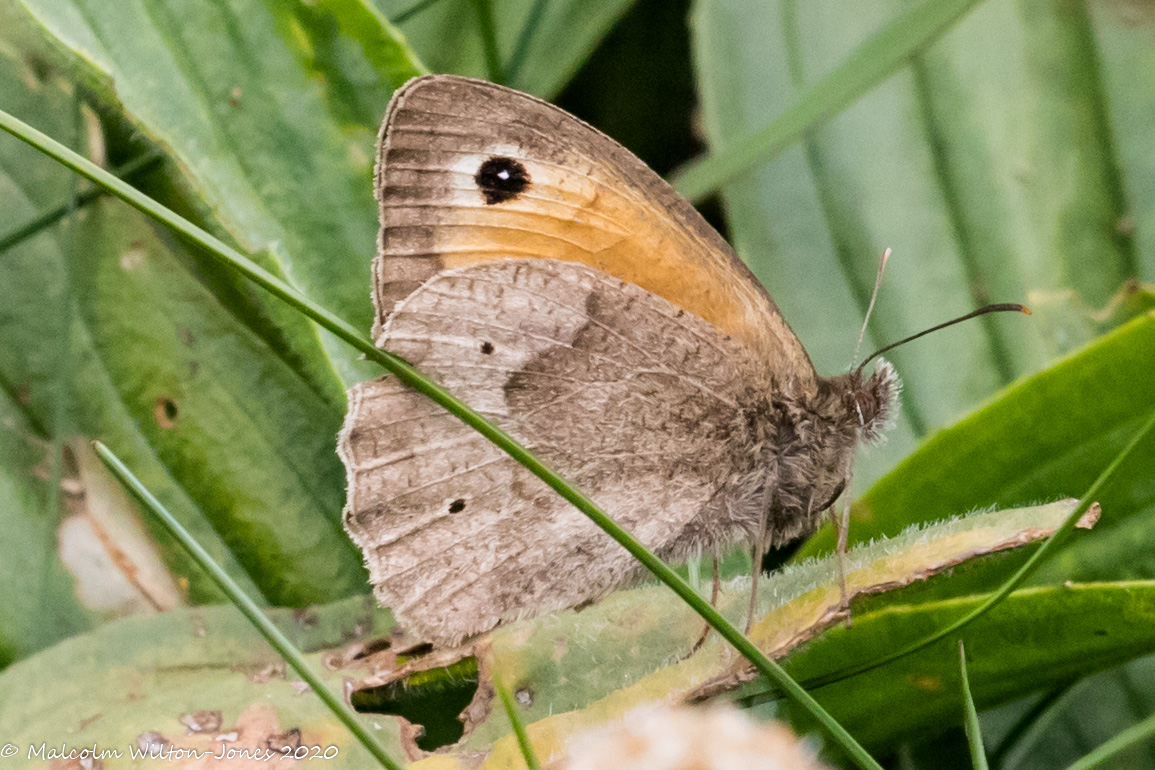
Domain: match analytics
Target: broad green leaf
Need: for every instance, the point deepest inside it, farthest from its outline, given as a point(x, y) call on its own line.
point(43, 339)
point(1047, 436)
point(1038, 638)
point(1120, 35)
point(268, 111)
point(1083, 717)
point(219, 423)
point(986, 165)
point(140, 675)
point(561, 35)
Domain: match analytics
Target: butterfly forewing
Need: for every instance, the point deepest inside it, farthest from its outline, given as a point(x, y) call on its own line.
point(470, 172)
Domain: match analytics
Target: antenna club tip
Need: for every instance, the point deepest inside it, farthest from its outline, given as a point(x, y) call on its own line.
point(1025, 310)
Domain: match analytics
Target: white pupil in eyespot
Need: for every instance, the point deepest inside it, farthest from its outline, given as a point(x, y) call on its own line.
point(503, 174)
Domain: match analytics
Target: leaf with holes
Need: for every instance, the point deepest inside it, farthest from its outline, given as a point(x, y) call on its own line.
point(192, 680)
point(60, 383)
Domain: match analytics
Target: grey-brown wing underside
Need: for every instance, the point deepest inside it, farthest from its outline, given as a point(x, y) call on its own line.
point(587, 199)
point(632, 399)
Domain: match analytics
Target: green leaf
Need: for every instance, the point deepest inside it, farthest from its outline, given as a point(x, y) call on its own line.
point(268, 111)
point(447, 35)
point(219, 424)
point(35, 338)
point(1037, 638)
point(1045, 437)
point(1122, 51)
point(867, 64)
point(983, 165)
point(1100, 712)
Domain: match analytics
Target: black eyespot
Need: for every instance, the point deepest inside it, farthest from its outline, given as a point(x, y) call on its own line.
point(501, 179)
point(487, 348)
point(457, 506)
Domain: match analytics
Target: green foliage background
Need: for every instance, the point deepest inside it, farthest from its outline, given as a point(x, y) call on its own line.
point(1010, 160)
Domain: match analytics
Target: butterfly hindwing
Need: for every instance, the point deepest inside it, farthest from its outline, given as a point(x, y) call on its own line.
point(632, 399)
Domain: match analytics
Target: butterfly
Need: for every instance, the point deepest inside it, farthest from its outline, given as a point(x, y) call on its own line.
point(543, 274)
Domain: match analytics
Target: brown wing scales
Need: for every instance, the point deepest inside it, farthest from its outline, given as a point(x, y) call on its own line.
point(587, 200)
point(457, 535)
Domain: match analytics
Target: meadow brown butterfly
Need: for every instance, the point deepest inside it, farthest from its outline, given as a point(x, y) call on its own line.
point(544, 275)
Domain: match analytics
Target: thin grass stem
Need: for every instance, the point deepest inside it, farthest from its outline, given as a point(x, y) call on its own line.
point(515, 722)
point(75, 201)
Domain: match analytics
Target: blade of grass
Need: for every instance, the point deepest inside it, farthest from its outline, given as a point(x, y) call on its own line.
point(971, 716)
point(1132, 736)
point(515, 722)
point(524, 39)
point(247, 606)
point(488, 31)
point(413, 10)
point(1028, 721)
point(867, 66)
point(49, 218)
point(412, 378)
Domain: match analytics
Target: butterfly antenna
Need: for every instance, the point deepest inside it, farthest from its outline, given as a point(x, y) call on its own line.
point(1002, 307)
point(870, 308)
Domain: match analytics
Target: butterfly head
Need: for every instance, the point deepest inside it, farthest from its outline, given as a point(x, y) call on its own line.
point(869, 402)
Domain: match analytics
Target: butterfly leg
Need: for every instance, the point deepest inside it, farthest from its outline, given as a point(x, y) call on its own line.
point(757, 551)
point(842, 524)
point(713, 603)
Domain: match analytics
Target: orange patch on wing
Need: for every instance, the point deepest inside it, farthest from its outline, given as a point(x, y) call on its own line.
point(574, 218)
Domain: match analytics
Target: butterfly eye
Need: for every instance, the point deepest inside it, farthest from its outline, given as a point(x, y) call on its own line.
point(501, 179)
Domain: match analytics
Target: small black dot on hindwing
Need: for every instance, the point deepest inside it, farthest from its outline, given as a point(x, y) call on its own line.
point(457, 506)
point(487, 348)
point(501, 179)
